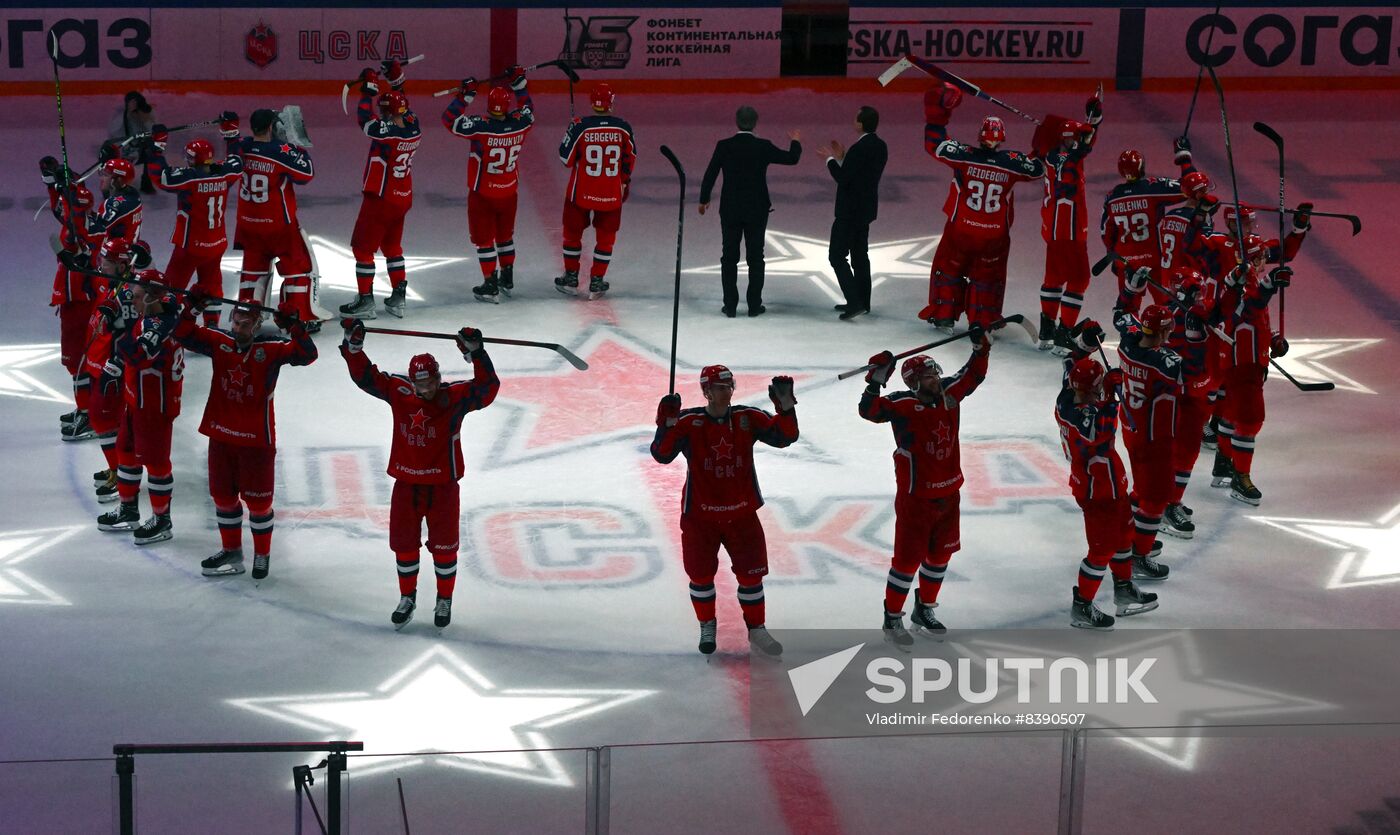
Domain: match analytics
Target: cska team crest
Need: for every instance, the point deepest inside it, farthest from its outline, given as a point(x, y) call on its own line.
point(260, 45)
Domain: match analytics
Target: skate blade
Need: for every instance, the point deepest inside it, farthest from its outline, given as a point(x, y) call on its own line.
point(81, 436)
point(1176, 534)
point(1091, 627)
point(1135, 609)
point(107, 499)
point(1147, 578)
point(1244, 499)
point(396, 312)
point(506, 292)
point(224, 571)
point(1220, 482)
point(1044, 345)
point(925, 632)
point(487, 299)
point(1210, 445)
point(568, 291)
point(154, 539)
point(398, 627)
point(120, 528)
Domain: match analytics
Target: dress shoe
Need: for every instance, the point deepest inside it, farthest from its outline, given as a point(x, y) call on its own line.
point(841, 307)
point(757, 311)
point(853, 313)
point(727, 311)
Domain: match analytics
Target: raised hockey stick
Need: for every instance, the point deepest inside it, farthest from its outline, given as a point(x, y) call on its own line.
point(1274, 137)
point(680, 241)
point(962, 83)
point(572, 358)
point(1210, 39)
point(345, 91)
point(1352, 219)
point(1013, 319)
point(1230, 160)
point(567, 70)
point(179, 290)
point(67, 187)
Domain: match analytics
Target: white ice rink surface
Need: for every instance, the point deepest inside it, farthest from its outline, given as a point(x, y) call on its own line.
point(572, 625)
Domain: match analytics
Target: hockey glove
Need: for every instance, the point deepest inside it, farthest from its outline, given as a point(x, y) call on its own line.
point(881, 369)
point(1136, 280)
point(1093, 110)
point(140, 255)
point(287, 322)
point(668, 410)
point(228, 124)
point(108, 151)
point(1113, 381)
point(516, 74)
point(1181, 150)
point(354, 335)
point(1277, 278)
point(466, 91)
point(1302, 217)
point(1235, 277)
point(370, 81)
point(978, 335)
point(1278, 346)
point(73, 260)
point(469, 341)
point(1088, 335)
point(197, 299)
point(111, 376)
point(780, 392)
point(150, 341)
point(392, 72)
point(160, 137)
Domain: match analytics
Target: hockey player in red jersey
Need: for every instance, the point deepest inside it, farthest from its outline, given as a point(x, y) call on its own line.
point(601, 153)
point(1152, 390)
point(112, 314)
point(721, 500)
point(73, 293)
point(267, 228)
point(425, 459)
point(493, 175)
point(241, 426)
point(1245, 303)
point(394, 134)
point(119, 216)
point(928, 475)
point(201, 236)
point(1131, 214)
point(1087, 414)
point(969, 266)
point(1064, 225)
point(151, 365)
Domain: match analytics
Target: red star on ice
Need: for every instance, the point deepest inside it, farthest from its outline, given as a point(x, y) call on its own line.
point(723, 449)
point(565, 412)
point(420, 420)
point(237, 377)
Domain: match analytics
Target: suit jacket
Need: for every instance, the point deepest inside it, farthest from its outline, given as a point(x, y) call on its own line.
point(858, 178)
point(744, 159)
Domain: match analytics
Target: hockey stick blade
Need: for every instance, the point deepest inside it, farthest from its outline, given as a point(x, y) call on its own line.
point(1352, 219)
point(895, 71)
point(1269, 132)
point(1103, 263)
point(1326, 385)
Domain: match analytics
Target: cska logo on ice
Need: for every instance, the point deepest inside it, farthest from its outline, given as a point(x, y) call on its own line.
point(597, 43)
point(260, 45)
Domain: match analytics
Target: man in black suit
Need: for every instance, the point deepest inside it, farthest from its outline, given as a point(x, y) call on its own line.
point(857, 173)
point(744, 204)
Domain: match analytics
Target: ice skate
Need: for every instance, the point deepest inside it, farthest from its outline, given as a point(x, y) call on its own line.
point(153, 530)
point(1129, 600)
point(222, 564)
point(1083, 614)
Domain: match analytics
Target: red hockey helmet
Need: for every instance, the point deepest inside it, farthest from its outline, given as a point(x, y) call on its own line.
point(82, 197)
point(498, 101)
point(1195, 185)
point(116, 249)
point(120, 170)
point(1157, 319)
point(993, 130)
point(1247, 212)
point(422, 368)
point(712, 375)
point(199, 151)
point(151, 275)
point(392, 103)
point(1086, 375)
point(1185, 278)
point(1131, 165)
point(602, 97)
point(916, 367)
point(1254, 247)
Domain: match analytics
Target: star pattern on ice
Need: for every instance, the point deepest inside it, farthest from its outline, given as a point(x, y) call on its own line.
point(1305, 360)
point(1370, 550)
point(336, 266)
point(16, 381)
point(16, 547)
point(440, 703)
point(786, 254)
point(1195, 700)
